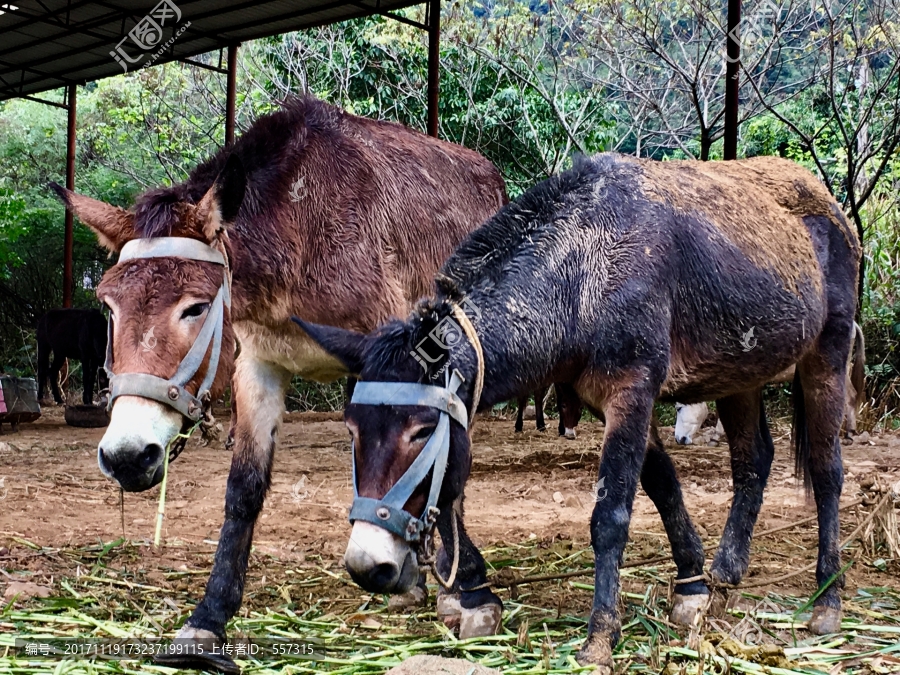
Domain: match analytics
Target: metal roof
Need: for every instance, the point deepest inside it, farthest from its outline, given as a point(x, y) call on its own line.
point(47, 44)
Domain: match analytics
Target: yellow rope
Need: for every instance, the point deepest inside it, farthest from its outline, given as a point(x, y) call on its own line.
point(469, 330)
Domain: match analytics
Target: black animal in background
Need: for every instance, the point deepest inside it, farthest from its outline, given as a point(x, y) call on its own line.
point(568, 406)
point(78, 334)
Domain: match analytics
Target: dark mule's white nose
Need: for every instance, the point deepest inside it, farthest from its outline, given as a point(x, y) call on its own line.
point(380, 562)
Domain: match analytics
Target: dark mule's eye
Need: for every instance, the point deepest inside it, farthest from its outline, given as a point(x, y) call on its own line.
point(422, 434)
point(195, 310)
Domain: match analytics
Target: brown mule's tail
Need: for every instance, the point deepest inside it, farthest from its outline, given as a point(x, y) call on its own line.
point(858, 367)
point(800, 433)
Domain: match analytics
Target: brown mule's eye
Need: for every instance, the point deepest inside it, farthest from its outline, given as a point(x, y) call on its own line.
point(195, 310)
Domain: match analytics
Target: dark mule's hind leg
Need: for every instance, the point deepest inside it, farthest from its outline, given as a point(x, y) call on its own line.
point(819, 391)
point(477, 613)
point(744, 420)
point(660, 482)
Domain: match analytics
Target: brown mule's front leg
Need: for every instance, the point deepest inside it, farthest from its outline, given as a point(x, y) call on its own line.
point(259, 393)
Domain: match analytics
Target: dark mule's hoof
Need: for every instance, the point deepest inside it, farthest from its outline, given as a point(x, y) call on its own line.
point(88, 416)
point(825, 620)
point(687, 608)
point(480, 621)
point(449, 609)
point(193, 649)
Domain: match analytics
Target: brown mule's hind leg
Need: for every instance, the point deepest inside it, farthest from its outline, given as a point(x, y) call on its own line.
point(744, 419)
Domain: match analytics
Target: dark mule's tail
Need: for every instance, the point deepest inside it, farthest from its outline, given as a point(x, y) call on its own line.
point(800, 432)
point(858, 368)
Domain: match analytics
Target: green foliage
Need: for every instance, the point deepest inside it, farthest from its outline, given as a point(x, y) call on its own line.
point(528, 85)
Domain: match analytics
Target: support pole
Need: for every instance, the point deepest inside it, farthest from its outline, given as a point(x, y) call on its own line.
point(231, 79)
point(68, 282)
point(434, 64)
point(732, 81)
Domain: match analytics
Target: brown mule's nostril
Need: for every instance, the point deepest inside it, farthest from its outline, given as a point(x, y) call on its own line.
point(151, 456)
point(104, 463)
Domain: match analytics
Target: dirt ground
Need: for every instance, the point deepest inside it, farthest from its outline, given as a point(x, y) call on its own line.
point(524, 487)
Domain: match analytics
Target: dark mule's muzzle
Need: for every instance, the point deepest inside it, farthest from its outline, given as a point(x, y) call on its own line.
point(382, 558)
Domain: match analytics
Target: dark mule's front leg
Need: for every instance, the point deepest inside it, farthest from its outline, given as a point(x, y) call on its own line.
point(743, 417)
point(476, 612)
point(628, 406)
point(660, 482)
point(259, 391)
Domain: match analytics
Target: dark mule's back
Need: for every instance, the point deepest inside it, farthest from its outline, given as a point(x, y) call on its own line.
point(78, 334)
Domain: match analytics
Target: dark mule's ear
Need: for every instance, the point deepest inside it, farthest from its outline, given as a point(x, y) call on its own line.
point(113, 226)
point(221, 203)
point(345, 345)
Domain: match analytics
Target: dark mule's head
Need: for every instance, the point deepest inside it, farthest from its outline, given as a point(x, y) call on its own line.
point(388, 438)
point(158, 306)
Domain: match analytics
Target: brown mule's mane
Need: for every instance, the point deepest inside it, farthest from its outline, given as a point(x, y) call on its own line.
point(267, 151)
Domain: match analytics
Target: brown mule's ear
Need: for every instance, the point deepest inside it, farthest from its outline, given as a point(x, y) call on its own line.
point(113, 226)
point(221, 203)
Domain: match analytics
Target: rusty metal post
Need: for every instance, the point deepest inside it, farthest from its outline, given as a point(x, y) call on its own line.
point(732, 79)
point(68, 281)
point(231, 78)
point(434, 64)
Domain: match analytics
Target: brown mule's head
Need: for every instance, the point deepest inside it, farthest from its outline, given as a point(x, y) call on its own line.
point(158, 306)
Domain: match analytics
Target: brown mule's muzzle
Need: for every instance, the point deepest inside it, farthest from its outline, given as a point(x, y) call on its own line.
point(148, 411)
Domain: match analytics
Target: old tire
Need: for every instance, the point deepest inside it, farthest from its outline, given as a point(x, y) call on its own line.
point(89, 416)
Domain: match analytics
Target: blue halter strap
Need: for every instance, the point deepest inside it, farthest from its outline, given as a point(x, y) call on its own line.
point(388, 512)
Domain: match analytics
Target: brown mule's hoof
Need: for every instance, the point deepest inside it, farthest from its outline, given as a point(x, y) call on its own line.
point(480, 621)
point(417, 597)
point(449, 610)
point(825, 620)
point(596, 651)
point(686, 608)
point(193, 648)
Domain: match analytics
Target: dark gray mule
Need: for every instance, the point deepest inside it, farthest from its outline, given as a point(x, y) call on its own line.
point(633, 281)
